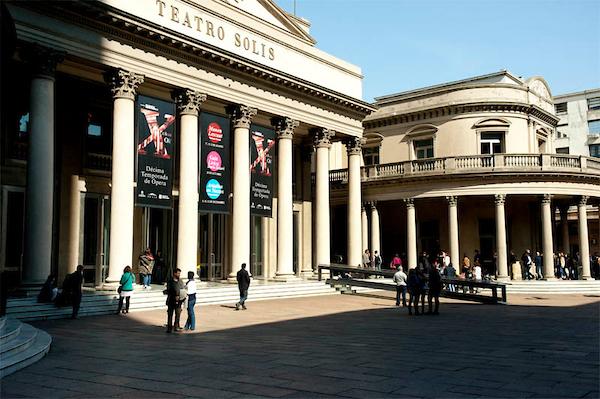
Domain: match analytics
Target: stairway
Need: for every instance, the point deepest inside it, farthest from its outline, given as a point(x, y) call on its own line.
point(99, 302)
point(20, 345)
point(583, 287)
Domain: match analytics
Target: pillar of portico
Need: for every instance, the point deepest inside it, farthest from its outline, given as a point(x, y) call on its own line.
point(375, 229)
point(411, 233)
point(364, 228)
point(501, 250)
point(354, 239)
point(453, 230)
point(241, 117)
point(188, 104)
point(39, 205)
point(322, 142)
point(547, 248)
point(284, 127)
point(307, 223)
point(584, 243)
point(123, 85)
point(564, 216)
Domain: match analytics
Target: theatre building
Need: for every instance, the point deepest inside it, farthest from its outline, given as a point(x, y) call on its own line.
point(191, 127)
point(472, 165)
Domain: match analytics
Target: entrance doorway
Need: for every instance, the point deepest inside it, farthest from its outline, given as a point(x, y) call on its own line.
point(93, 242)
point(157, 235)
point(487, 243)
point(13, 228)
point(211, 239)
point(256, 247)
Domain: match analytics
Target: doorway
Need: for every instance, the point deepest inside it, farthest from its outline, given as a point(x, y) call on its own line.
point(94, 239)
point(157, 233)
point(487, 243)
point(256, 247)
point(211, 239)
point(13, 228)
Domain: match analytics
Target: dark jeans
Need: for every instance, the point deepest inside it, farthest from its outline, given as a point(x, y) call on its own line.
point(191, 319)
point(76, 299)
point(127, 300)
point(538, 271)
point(243, 296)
point(413, 300)
point(400, 289)
point(433, 297)
point(170, 310)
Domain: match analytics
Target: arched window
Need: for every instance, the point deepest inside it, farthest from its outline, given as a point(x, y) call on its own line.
point(422, 141)
point(491, 134)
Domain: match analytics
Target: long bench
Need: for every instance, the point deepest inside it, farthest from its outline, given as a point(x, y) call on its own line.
point(451, 288)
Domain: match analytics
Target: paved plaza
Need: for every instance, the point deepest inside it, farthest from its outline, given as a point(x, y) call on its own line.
point(330, 346)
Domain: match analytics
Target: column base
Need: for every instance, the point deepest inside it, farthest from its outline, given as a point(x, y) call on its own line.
point(285, 278)
point(110, 286)
point(503, 278)
point(308, 273)
point(550, 279)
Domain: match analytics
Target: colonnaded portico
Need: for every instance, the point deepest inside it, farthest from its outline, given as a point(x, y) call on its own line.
point(123, 89)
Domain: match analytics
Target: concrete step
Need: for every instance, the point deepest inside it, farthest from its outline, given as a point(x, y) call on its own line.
point(22, 345)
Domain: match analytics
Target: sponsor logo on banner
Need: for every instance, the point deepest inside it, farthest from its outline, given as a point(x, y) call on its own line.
point(154, 166)
point(215, 165)
point(262, 152)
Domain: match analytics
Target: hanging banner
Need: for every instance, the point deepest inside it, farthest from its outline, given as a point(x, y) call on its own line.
point(215, 163)
point(155, 146)
point(262, 168)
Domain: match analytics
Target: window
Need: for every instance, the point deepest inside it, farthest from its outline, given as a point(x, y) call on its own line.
point(371, 155)
point(562, 150)
point(561, 108)
point(560, 131)
point(492, 143)
point(423, 148)
point(595, 150)
point(593, 103)
point(594, 127)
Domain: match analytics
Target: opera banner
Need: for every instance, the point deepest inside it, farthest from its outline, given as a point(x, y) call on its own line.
point(262, 168)
point(155, 146)
point(215, 164)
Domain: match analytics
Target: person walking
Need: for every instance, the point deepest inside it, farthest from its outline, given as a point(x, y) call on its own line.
point(366, 259)
point(400, 280)
point(243, 280)
point(435, 289)
point(76, 282)
point(526, 263)
point(175, 296)
point(190, 323)
point(538, 265)
point(377, 261)
point(414, 291)
point(145, 266)
point(125, 290)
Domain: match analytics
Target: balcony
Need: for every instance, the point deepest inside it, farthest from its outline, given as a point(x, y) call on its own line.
point(474, 164)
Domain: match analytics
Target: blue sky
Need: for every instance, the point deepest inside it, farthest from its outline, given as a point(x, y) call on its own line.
point(402, 45)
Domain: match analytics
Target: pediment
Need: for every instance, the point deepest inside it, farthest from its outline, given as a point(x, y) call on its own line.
point(269, 12)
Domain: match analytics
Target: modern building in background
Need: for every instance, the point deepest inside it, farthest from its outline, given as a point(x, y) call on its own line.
point(578, 129)
point(471, 165)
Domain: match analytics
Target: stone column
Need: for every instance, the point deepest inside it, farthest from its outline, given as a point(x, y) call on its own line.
point(564, 216)
point(375, 229)
point(547, 248)
point(241, 116)
point(123, 86)
point(284, 127)
point(453, 231)
point(188, 105)
point(322, 142)
point(307, 222)
point(501, 250)
point(411, 233)
point(39, 205)
point(354, 239)
point(364, 228)
point(584, 243)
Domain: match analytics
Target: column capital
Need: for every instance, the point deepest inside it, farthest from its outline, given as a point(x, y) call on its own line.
point(353, 145)
point(284, 126)
point(42, 60)
point(188, 101)
point(409, 202)
point(547, 198)
point(322, 137)
point(583, 200)
point(241, 115)
point(452, 200)
point(123, 84)
point(500, 199)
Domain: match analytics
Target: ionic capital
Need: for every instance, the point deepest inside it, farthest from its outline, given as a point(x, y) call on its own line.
point(322, 137)
point(284, 126)
point(353, 145)
point(42, 60)
point(123, 84)
point(500, 199)
point(188, 101)
point(452, 200)
point(583, 200)
point(241, 115)
point(409, 202)
point(546, 199)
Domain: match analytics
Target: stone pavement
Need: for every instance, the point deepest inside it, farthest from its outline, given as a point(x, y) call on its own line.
point(329, 346)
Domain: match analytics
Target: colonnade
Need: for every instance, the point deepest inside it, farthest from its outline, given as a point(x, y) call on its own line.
point(124, 86)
